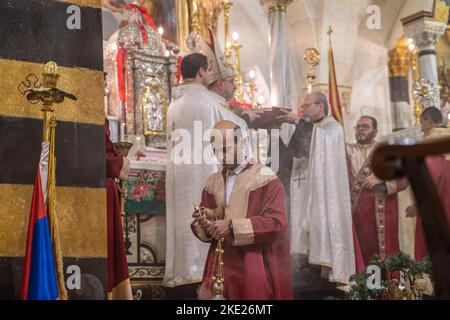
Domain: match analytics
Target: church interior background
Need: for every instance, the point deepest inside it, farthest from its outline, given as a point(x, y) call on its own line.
point(377, 65)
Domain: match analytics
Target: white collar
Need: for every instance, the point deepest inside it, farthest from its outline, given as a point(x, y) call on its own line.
point(237, 171)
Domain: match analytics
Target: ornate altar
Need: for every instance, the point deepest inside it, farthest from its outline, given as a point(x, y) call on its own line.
point(141, 71)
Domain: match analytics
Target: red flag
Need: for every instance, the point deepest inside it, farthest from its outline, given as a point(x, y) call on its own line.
point(333, 92)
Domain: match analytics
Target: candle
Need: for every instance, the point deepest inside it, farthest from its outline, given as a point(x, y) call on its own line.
point(161, 31)
point(122, 132)
point(235, 36)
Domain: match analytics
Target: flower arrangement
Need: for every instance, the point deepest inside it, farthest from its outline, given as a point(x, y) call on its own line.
point(149, 185)
point(402, 278)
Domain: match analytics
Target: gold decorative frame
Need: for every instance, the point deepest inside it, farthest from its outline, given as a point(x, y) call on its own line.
point(158, 90)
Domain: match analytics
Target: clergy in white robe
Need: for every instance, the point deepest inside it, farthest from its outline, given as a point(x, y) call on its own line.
point(192, 112)
point(324, 219)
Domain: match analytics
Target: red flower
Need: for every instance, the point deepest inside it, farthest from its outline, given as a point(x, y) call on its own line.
point(140, 191)
point(137, 194)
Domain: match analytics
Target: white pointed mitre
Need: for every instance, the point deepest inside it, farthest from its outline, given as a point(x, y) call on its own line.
point(221, 69)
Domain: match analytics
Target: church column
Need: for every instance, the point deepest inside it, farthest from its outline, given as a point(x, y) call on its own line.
point(426, 33)
point(399, 66)
point(31, 28)
point(279, 71)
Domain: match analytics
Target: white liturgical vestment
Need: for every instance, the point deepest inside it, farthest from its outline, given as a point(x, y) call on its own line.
point(192, 113)
point(325, 219)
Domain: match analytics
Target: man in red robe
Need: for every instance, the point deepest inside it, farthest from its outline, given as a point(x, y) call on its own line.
point(374, 202)
point(119, 287)
point(439, 167)
point(244, 205)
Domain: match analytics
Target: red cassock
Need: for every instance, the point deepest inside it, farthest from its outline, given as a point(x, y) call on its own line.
point(256, 256)
point(439, 168)
point(375, 216)
point(118, 279)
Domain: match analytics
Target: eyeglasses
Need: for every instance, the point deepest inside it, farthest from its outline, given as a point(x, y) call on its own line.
point(306, 105)
point(362, 127)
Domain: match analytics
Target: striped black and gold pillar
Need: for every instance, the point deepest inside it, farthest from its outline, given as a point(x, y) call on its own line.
point(32, 33)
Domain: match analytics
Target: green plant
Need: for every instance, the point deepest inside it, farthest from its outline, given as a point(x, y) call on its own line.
point(409, 287)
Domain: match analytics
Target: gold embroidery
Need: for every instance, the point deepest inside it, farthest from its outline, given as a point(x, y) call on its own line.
point(380, 203)
point(243, 232)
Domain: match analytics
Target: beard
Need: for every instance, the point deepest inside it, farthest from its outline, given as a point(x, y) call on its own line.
point(367, 140)
point(227, 96)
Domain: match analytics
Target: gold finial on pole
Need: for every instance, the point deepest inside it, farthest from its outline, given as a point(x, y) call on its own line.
point(312, 57)
point(48, 94)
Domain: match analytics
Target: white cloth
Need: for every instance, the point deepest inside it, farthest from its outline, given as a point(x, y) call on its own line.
point(231, 178)
point(325, 217)
point(43, 167)
point(185, 254)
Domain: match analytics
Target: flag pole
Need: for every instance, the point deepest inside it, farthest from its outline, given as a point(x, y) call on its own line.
point(333, 90)
point(49, 94)
point(51, 207)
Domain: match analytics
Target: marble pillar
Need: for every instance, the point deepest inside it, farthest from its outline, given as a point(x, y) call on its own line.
point(425, 32)
point(280, 86)
point(279, 55)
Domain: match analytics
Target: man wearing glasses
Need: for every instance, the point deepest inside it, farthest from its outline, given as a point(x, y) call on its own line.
point(374, 202)
point(321, 222)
